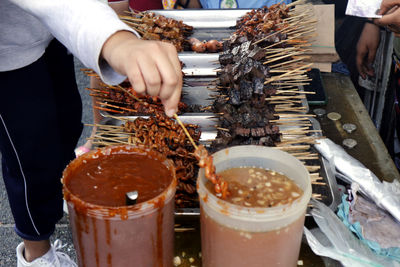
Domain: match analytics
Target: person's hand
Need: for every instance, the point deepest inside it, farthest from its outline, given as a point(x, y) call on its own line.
point(391, 16)
point(152, 67)
point(366, 49)
point(388, 6)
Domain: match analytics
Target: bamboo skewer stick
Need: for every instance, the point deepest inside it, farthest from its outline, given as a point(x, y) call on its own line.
point(107, 109)
point(276, 102)
point(186, 131)
point(294, 115)
point(285, 97)
point(293, 148)
point(287, 73)
point(293, 124)
point(296, 59)
point(293, 92)
point(282, 57)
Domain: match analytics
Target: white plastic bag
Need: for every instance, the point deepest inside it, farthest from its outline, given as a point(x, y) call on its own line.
point(345, 247)
point(363, 8)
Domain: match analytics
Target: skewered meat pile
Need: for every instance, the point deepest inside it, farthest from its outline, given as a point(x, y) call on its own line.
point(125, 100)
point(243, 103)
point(245, 114)
point(258, 23)
point(160, 28)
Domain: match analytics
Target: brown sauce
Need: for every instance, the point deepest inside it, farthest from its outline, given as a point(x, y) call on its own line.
point(257, 187)
point(105, 180)
point(114, 238)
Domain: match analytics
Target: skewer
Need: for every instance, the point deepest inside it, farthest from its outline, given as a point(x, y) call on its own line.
point(268, 36)
point(294, 92)
point(114, 106)
point(296, 59)
point(289, 119)
point(293, 148)
point(313, 168)
point(107, 109)
point(102, 125)
point(222, 129)
point(287, 73)
point(293, 124)
point(114, 140)
point(129, 93)
point(285, 97)
point(276, 102)
point(299, 141)
point(318, 183)
point(292, 109)
point(186, 131)
point(294, 115)
point(282, 57)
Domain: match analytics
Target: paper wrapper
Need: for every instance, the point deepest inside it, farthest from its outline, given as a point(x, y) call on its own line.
point(364, 8)
point(385, 195)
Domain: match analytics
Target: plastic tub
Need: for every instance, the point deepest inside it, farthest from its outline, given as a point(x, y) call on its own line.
point(135, 235)
point(233, 235)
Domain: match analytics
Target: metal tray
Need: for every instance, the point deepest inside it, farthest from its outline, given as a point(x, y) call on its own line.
point(199, 64)
point(205, 18)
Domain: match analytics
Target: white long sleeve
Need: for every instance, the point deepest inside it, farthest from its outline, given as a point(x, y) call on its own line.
point(82, 26)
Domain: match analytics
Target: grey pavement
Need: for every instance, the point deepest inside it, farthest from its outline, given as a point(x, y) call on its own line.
point(9, 240)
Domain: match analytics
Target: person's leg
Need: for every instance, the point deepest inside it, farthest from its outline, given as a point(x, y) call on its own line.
point(37, 138)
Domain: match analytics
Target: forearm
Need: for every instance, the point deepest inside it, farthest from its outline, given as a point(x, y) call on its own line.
point(83, 26)
point(111, 50)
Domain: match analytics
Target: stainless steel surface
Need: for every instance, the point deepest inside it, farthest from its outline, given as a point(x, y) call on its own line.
point(199, 64)
point(330, 190)
point(205, 18)
point(131, 197)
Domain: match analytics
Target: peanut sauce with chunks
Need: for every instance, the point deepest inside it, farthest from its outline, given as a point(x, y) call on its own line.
point(256, 187)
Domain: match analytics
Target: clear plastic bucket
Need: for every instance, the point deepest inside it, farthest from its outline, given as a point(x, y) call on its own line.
point(135, 235)
point(233, 235)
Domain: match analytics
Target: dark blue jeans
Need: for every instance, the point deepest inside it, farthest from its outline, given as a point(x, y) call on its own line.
point(40, 125)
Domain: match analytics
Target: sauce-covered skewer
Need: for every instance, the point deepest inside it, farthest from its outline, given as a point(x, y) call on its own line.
point(206, 162)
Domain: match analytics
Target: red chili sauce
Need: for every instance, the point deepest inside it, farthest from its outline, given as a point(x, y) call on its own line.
point(105, 180)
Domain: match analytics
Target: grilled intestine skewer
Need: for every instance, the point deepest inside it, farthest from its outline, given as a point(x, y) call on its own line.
point(206, 162)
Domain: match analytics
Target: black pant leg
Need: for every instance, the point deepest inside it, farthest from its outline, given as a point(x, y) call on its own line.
point(37, 140)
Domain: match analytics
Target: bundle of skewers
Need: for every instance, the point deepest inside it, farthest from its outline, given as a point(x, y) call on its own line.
point(157, 27)
point(124, 100)
point(258, 100)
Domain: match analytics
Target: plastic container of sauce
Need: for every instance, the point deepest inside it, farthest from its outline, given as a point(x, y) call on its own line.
point(106, 231)
point(261, 223)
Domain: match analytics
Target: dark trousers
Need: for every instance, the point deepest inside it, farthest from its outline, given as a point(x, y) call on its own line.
point(40, 125)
